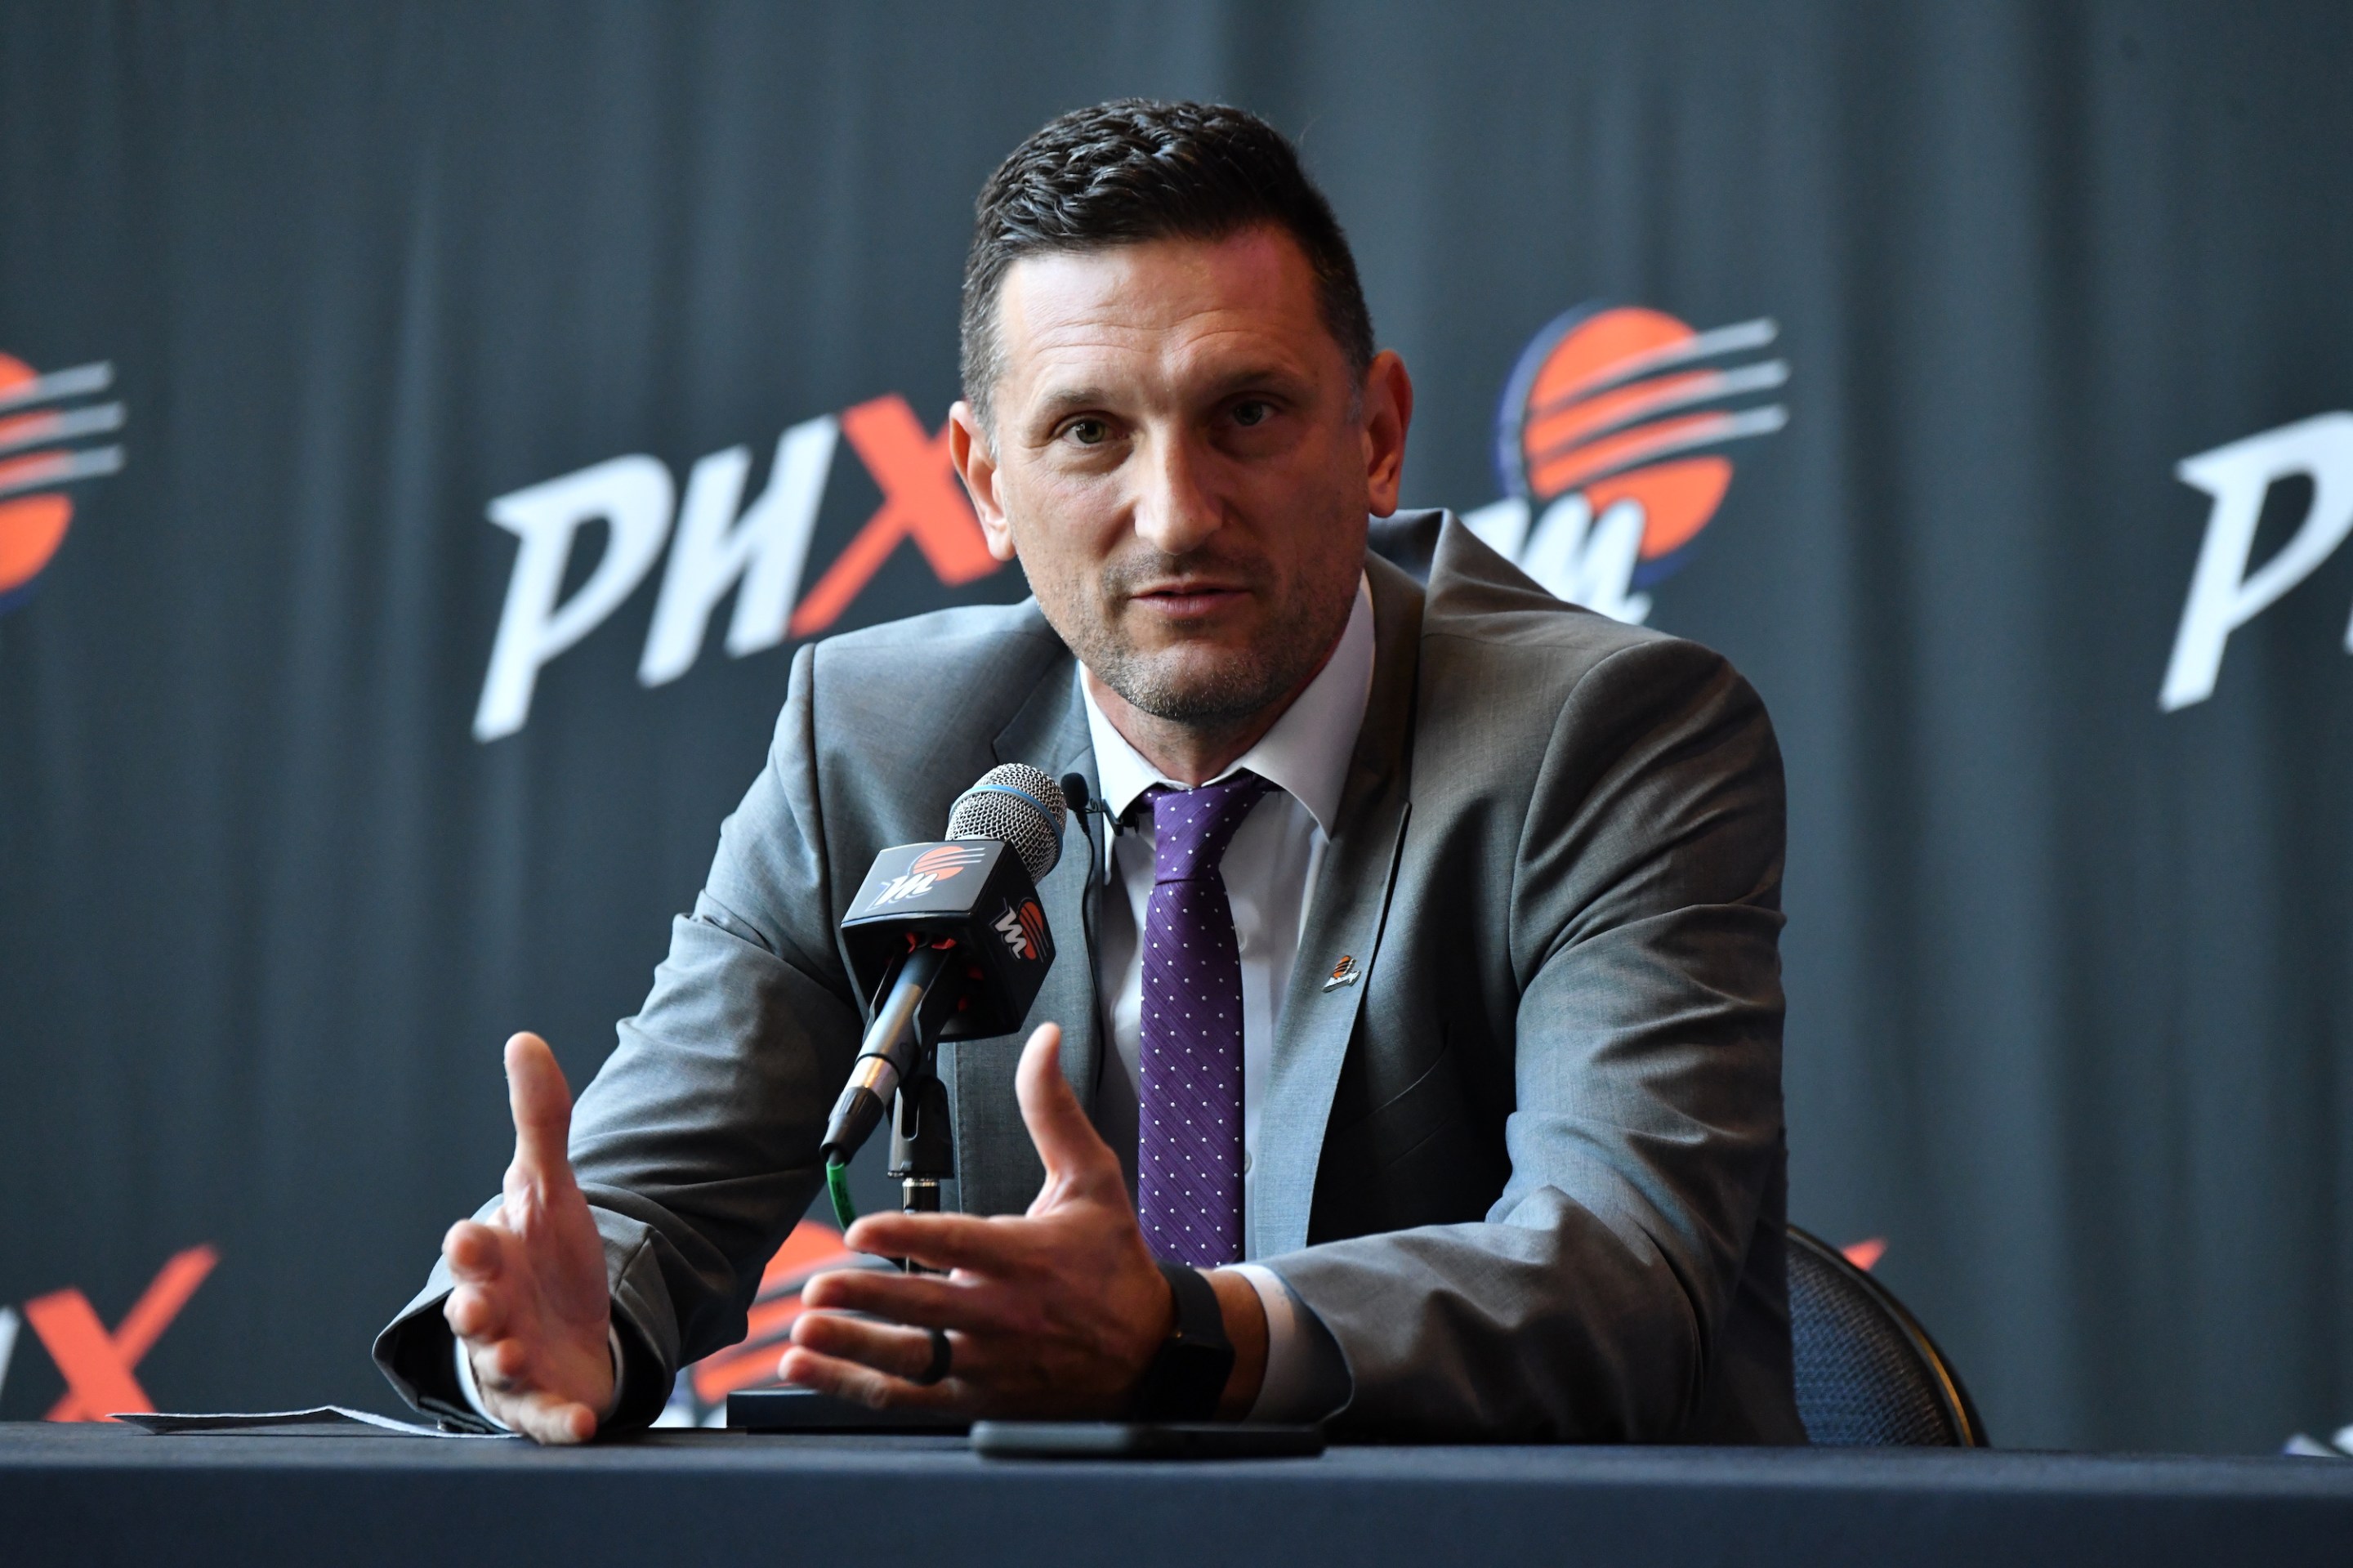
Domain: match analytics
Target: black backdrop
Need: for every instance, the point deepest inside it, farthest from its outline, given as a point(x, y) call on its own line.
point(2069, 1021)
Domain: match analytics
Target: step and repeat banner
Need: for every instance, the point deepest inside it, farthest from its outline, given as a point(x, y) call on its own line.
point(426, 432)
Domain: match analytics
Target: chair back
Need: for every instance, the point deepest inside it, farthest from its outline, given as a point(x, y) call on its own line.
point(1868, 1374)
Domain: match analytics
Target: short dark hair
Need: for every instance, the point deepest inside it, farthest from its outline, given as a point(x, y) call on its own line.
point(1134, 170)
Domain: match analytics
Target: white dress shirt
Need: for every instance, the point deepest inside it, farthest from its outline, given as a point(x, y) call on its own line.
point(1270, 870)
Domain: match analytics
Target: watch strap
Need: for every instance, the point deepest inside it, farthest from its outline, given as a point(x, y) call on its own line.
point(1187, 1375)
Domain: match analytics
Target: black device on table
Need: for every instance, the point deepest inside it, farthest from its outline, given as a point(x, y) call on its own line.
point(806, 1413)
point(1143, 1440)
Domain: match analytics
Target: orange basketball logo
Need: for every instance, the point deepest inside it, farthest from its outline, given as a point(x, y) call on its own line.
point(1610, 447)
point(946, 861)
point(927, 870)
point(37, 457)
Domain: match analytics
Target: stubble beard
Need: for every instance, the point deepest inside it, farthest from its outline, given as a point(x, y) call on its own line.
point(1196, 682)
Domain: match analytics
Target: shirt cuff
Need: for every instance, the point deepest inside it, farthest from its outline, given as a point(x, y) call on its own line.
point(473, 1394)
point(1306, 1376)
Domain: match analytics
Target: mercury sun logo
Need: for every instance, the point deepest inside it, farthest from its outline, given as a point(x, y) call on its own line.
point(930, 869)
point(1024, 929)
point(1610, 444)
point(46, 425)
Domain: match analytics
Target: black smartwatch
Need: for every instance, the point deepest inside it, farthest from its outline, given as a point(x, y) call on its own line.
point(1188, 1376)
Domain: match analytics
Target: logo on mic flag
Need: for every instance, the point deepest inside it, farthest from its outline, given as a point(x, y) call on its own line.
point(1024, 930)
point(927, 870)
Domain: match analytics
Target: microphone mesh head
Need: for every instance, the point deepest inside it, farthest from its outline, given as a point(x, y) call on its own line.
point(1019, 804)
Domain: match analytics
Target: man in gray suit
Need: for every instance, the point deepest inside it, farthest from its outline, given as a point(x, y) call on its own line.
point(1413, 1059)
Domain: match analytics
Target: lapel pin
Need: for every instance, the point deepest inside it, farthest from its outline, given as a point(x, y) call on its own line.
point(1344, 972)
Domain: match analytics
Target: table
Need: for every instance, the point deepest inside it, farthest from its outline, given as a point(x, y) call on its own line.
point(88, 1494)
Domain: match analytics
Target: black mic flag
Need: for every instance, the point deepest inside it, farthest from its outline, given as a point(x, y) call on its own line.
point(948, 938)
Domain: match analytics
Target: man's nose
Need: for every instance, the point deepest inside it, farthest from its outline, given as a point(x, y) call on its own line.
point(1177, 508)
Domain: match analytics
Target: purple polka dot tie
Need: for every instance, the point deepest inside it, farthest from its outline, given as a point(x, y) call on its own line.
point(1189, 1143)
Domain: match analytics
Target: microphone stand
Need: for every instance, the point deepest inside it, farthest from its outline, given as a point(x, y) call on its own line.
point(923, 1142)
point(922, 1132)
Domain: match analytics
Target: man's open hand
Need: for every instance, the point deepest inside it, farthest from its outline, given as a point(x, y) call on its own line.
point(1055, 1313)
point(531, 1307)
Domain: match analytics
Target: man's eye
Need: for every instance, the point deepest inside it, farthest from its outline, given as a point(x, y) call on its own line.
point(1251, 413)
point(1088, 432)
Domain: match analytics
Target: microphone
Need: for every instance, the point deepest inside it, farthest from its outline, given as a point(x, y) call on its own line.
point(949, 939)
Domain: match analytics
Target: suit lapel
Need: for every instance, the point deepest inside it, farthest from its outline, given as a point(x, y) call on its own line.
point(1344, 922)
point(997, 1163)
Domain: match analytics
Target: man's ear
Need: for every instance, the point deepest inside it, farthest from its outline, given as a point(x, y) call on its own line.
point(968, 450)
point(1389, 411)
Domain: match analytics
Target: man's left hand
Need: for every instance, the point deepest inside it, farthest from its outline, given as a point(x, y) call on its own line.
point(1053, 1314)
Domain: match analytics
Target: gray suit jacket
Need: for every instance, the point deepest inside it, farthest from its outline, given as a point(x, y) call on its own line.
point(1528, 1169)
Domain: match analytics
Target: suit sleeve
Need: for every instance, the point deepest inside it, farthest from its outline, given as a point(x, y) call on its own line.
point(1591, 1301)
point(697, 1143)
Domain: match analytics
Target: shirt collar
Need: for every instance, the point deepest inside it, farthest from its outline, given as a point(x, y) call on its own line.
point(1306, 752)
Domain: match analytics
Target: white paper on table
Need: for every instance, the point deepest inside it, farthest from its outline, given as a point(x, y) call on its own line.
point(325, 1420)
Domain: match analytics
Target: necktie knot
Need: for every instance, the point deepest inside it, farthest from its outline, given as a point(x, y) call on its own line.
point(1191, 827)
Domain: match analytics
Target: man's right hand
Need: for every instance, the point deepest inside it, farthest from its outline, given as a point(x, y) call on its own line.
point(530, 1309)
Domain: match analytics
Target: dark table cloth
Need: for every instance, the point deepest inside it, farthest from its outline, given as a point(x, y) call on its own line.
point(88, 1494)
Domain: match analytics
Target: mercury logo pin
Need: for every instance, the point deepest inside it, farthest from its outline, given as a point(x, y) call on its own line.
point(1344, 972)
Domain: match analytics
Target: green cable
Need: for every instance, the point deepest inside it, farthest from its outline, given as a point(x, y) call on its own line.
point(836, 1187)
